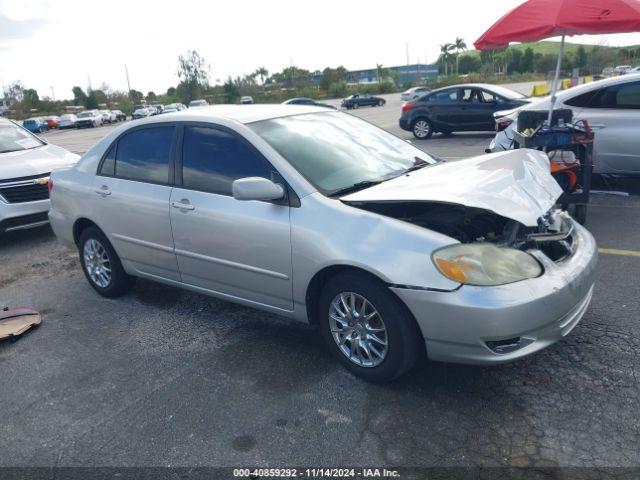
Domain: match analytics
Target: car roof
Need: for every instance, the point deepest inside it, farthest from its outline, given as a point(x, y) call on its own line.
point(586, 87)
point(247, 113)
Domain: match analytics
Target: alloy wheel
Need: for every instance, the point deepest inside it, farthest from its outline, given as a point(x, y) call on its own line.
point(358, 329)
point(422, 128)
point(97, 263)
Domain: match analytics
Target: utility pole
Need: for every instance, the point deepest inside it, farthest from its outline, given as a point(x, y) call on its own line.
point(53, 97)
point(89, 80)
point(126, 71)
point(407, 45)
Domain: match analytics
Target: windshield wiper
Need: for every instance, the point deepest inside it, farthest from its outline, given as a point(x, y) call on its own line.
point(355, 187)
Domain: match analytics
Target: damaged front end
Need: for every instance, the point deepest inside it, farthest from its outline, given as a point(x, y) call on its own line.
point(552, 236)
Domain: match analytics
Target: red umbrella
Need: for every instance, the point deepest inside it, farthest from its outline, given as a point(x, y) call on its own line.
point(539, 19)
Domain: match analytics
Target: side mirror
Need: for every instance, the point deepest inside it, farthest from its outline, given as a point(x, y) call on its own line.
point(256, 188)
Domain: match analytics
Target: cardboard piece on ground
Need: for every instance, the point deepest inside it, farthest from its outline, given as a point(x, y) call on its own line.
point(16, 321)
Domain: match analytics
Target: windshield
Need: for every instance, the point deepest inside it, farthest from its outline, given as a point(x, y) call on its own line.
point(85, 115)
point(335, 151)
point(14, 138)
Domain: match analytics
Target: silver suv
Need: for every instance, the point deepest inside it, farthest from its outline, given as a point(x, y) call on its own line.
point(324, 218)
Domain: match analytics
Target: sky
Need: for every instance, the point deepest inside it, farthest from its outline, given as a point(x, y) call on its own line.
point(56, 44)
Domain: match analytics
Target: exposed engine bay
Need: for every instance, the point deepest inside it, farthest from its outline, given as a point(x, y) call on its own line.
point(468, 224)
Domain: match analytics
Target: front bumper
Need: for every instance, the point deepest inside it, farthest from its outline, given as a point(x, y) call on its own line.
point(20, 216)
point(466, 325)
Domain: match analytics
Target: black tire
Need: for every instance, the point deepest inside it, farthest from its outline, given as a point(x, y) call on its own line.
point(381, 103)
point(120, 282)
point(355, 105)
point(422, 128)
point(405, 342)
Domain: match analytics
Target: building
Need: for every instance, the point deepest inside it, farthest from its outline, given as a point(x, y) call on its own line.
point(415, 74)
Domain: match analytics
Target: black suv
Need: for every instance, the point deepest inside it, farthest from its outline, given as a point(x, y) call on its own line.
point(461, 108)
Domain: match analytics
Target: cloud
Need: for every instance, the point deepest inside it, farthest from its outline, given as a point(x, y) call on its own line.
point(17, 29)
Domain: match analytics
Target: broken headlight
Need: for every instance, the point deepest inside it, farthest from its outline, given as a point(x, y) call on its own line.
point(485, 264)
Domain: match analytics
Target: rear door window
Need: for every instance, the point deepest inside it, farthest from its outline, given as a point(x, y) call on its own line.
point(144, 155)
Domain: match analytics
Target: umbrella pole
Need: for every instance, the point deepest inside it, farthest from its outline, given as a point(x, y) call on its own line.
point(554, 87)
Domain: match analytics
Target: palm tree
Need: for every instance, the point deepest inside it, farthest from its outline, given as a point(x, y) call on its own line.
point(445, 55)
point(263, 73)
point(460, 46)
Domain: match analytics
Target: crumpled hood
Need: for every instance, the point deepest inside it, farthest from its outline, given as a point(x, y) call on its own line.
point(516, 184)
point(35, 161)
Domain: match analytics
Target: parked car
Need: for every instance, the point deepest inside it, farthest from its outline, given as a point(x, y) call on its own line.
point(246, 100)
point(622, 69)
point(89, 118)
point(170, 110)
point(141, 113)
point(25, 164)
point(156, 109)
point(607, 71)
point(611, 107)
point(108, 116)
point(198, 103)
point(67, 121)
point(384, 248)
point(120, 117)
point(35, 125)
point(52, 121)
point(413, 93)
point(307, 101)
point(362, 99)
point(461, 108)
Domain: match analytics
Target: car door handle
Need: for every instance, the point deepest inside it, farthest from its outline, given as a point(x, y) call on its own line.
point(104, 191)
point(182, 205)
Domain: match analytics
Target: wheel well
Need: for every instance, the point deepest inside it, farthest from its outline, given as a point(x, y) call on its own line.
point(80, 226)
point(320, 279)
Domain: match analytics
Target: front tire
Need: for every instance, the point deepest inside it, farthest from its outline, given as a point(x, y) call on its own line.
point(101, 264)
point(367, 328)
point(381, 103)
point(422, 129)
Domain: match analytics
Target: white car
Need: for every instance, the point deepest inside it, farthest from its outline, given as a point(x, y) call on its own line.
point(108, 116)
point(612, 109)
point(25, 164)
point(198, 103)
point(413, 93)
point(246, 100)
point(67, 121)
point(89, 118)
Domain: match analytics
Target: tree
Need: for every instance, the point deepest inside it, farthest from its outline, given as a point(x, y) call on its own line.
point(231, 90)
point(378, 71)
point(526, 63)
point(30, 96)
point(193, 72)
point(445, 56)
point(469, 63)
point(514, 61)
point(92, 101)
point(79, 97)
point(460, 46)
point(581, 57)
point(263, 73)
point(151, 96)
point(136, 96)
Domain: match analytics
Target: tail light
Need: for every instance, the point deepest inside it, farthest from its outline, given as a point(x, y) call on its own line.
point(50, 185)
point(503, 124)
point(407, 106)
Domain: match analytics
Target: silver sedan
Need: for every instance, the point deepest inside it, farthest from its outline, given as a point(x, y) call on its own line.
point(321, 217)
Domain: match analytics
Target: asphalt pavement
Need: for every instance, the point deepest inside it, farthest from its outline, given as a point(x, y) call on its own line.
point(165, 377)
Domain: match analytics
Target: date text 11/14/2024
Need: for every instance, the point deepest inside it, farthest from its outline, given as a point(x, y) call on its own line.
point(264, 473)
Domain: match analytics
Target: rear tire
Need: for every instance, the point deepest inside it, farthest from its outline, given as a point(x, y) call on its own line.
point(350, 337)
point(101, 264)
point(381, 103)
point(422, 128)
